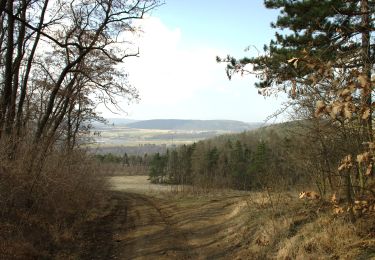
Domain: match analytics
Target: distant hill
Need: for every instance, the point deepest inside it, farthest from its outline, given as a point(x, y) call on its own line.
point(113, 122)
point(120, 121)
point(201, 125)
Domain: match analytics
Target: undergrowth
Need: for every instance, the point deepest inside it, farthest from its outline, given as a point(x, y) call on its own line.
point(43, 209)
point(283, 227)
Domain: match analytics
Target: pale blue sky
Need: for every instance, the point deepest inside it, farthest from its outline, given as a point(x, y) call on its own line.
point(176, 73)
point(222, 23)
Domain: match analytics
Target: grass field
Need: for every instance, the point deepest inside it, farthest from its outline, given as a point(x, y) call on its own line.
point(119, 135)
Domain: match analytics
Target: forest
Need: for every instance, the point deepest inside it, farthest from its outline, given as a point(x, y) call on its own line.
point(60, 59)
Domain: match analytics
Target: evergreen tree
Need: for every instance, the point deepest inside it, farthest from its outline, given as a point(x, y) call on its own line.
point(185, 153)
point(212, 157)
point(257, 169)
point(125, 160)
point(239, 165)
point(323, 57)
point(158, 168)
point(173, 167)
point(333, 31)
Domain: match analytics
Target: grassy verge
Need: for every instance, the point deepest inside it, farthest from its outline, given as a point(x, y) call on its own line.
point(283, 227)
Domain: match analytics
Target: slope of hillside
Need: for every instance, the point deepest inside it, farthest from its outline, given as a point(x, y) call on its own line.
point(179, 124)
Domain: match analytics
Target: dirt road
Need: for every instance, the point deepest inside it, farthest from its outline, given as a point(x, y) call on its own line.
point(140, 226)
point(144, 221)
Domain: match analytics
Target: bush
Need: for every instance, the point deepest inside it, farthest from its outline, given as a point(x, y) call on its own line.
point(43, 204)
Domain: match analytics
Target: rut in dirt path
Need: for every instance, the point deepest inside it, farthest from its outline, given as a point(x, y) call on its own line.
point(142, 227)
point(148, 233)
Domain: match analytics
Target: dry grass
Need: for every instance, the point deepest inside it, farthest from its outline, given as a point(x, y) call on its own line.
point(118, 169)
point(141, 184)
point(283, 227)
point(43, 206)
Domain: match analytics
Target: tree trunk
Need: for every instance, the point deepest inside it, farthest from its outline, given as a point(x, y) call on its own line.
point(11, 113)
point(7, 92)
point(23, 89)
point(365, 27)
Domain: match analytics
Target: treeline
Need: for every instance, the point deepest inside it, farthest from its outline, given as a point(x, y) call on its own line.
point(295, 155)
point(126, 160)
point(131, 150)
point(251, 160)
point(113, 164)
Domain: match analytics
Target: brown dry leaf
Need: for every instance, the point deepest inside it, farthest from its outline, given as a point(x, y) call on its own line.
point(311, 66)
point(294, 87)
point(371, 145)
point(366, 113)
point(320, 106)
point(362, 80)
point(346, 163)
point(369, 170)
point(345, 92)
point(334, 199)
point(338, 210)
point(294, 62)
point(341, 167)
point(363, 157)
point(336, 109)
point(348, 111)
point(352, 87)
